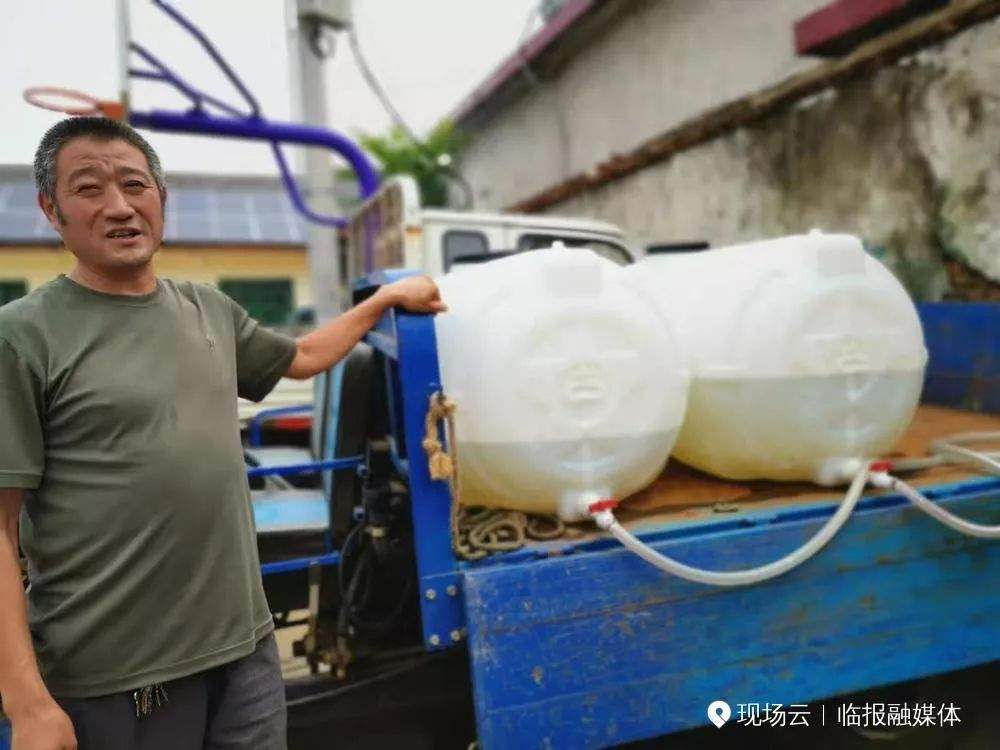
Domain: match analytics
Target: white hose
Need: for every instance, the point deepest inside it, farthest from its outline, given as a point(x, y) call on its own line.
point(914, 464)
point(947, 450)
point(989, 462)
point(606, 520)
point(934, 510)
point(943, 451)
point(958, 454)
point(964, 438)
point(952, 448)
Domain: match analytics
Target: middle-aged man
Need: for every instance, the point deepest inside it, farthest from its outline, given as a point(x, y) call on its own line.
point(146, 625)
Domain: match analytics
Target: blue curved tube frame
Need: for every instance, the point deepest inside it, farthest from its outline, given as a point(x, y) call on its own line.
point(251, 125)
point(258, 129)
point(312, 467)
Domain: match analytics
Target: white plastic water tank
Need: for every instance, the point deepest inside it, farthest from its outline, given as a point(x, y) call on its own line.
point(569, 385)
point(807, 355)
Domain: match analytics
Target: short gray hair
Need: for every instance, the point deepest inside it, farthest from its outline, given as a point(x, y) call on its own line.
point(98, 128)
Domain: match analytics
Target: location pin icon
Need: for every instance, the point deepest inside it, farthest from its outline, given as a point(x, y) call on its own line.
point(719, 713)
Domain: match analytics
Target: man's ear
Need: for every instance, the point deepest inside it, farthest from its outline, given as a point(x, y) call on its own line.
point(50, 210)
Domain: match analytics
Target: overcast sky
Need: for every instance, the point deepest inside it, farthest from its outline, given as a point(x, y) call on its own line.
point(428, 53)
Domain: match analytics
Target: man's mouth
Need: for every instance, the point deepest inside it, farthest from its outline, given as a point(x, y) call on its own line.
point(123, 234)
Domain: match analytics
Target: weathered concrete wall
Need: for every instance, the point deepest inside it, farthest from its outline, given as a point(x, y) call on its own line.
point(909, 159)
point(660, 63)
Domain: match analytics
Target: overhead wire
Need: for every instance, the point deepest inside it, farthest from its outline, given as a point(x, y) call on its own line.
point(396, 116)
point(947, 450)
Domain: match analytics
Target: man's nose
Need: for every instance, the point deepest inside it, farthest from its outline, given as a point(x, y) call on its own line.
point(117, 206)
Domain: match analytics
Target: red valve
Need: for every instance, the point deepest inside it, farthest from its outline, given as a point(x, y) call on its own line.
point(606, 504)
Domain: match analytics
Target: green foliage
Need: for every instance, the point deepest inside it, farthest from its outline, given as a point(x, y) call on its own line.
point(427, 162)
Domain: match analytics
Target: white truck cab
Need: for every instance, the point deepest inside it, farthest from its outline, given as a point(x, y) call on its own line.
point(392, 230)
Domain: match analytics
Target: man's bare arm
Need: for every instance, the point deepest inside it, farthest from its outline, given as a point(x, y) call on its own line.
point(19, 678)
point(320, 349)
point(37, 720)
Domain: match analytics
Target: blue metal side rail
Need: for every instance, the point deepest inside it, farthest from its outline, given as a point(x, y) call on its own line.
point(963, 340)
point(596, 649)
point(326, 466)
point(312, 467)
point(409, 348)
point(299, 563)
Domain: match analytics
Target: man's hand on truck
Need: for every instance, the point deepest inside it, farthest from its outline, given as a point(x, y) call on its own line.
point(320, 349)
point(417, 294)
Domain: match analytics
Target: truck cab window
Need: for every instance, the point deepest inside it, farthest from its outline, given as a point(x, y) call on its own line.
point(605, 249)
point(459, 244)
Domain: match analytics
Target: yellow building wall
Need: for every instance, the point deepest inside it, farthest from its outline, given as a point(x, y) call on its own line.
point(208, 264)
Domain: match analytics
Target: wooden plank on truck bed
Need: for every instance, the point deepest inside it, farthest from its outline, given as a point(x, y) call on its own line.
point(683, 487)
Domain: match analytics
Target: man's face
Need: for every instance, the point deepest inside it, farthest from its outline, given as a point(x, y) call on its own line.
point(108, 209)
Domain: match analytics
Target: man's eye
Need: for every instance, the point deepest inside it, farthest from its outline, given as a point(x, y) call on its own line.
point(86, 188)
point(135, 184)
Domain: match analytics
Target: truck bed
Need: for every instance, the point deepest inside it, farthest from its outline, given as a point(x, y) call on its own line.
point(682, 494)
point(579, 643)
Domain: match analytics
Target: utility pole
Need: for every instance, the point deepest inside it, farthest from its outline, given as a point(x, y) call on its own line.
point(123, 38)
point(311, 28)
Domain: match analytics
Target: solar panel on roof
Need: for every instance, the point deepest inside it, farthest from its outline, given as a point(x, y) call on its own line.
point(170, 226)
point(190, 199)
point(231, 202)
point(18, 226)
point(276, 202)
point(22, 197)
point(269, 204)
point(234, 225)
point(201, 212)
point(43, 229)
point(194, 227)
point(274, 227)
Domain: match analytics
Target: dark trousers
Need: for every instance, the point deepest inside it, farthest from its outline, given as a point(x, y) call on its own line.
point(236, 706)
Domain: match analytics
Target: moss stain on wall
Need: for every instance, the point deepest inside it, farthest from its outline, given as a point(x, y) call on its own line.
point(908, 159)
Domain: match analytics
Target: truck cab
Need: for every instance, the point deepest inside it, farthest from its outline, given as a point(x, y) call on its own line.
point(392, 230)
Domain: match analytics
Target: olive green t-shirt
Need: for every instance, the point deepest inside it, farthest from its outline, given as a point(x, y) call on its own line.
point(118, 416)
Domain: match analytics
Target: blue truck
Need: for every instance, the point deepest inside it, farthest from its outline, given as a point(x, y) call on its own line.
point(575, 642)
